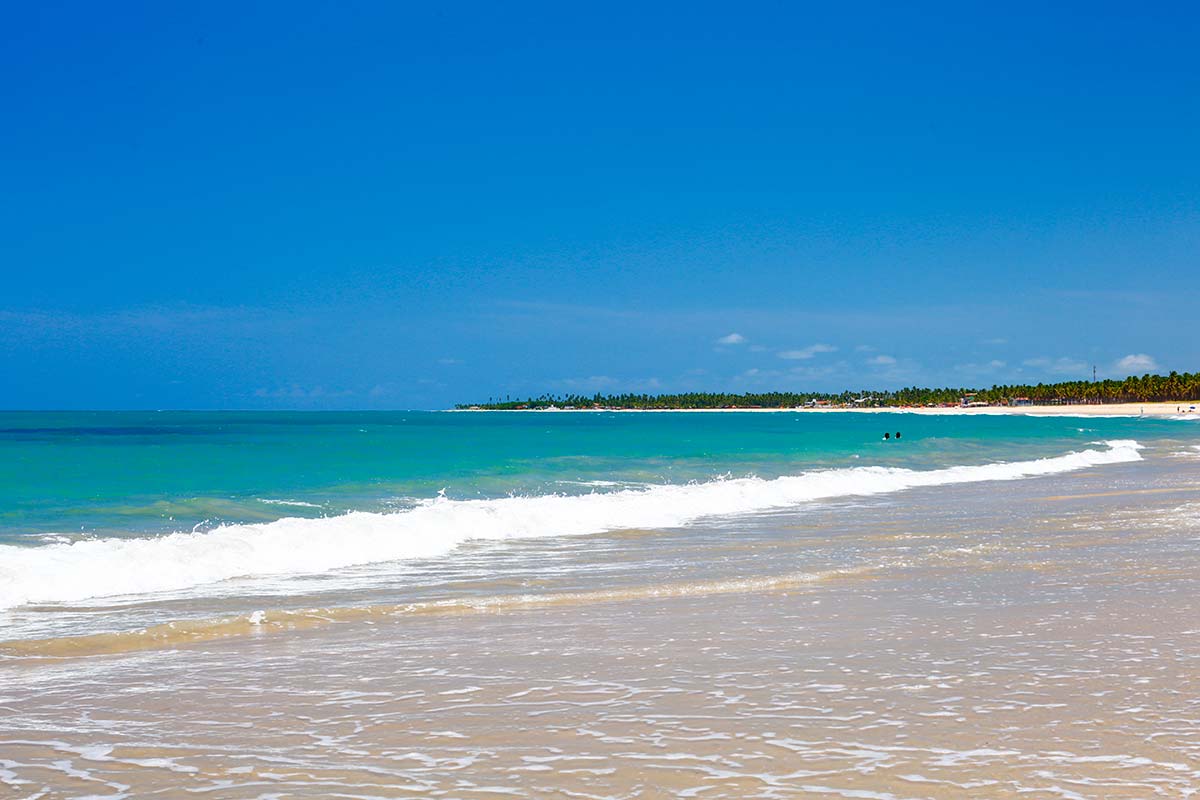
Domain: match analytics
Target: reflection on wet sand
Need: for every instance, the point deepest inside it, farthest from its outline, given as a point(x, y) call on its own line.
point(258, 623)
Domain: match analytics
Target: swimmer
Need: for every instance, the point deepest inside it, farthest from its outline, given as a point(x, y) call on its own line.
point(887, 436)
point(897, 434)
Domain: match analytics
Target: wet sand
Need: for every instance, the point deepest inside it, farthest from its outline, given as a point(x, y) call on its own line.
point(1038, 638)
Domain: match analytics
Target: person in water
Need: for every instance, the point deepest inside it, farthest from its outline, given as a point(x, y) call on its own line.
point(887, 436)
point(897, 434)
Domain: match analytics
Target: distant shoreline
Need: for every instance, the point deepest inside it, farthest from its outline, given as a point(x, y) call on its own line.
point(1158, 410)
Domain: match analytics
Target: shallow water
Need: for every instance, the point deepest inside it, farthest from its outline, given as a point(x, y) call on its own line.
point(324, 504)
point(1034, 636)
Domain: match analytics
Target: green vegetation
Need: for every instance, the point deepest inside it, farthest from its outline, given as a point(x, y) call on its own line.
point(1176, 387)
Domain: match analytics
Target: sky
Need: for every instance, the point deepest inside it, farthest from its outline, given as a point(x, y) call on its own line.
point(401, 205)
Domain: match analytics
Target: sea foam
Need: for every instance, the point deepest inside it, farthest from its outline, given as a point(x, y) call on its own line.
point(110, 567)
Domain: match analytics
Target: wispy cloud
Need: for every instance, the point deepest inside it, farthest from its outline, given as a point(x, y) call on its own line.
point(1058, 366)
point(156, 323)
point(805, 353)
point(733, 338)
point(884, 369)
point(298, 392)
point(1136, 362)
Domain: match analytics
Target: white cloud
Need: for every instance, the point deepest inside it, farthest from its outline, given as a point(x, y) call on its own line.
point(882, 361)
point(733, 338)
point(805, 353)
point(1136, 362)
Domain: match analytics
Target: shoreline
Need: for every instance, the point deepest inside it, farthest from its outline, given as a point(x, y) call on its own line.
point(1156, 410)
point(1047, 639)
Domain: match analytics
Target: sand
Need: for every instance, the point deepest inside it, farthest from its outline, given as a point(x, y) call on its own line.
point(1162, 410)
point(1100, 410)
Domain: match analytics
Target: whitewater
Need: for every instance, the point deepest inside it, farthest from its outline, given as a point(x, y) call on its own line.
point(112, 567)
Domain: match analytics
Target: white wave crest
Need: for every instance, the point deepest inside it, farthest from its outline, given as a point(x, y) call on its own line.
point(293, 546)
point(299, 503)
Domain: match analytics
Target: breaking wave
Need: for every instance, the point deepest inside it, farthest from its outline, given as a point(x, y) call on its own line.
point(67, 572)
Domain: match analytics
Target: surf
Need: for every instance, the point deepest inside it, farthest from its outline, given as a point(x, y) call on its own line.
point(112, 567)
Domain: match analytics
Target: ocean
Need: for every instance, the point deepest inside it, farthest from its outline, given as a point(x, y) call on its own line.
point(129, 505)
point(596, 604)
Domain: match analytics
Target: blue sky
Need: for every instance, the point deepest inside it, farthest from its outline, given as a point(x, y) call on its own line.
point(388, 205)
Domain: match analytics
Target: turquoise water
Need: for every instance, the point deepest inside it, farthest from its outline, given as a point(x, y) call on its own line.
point(137, 473)
point(112, 521)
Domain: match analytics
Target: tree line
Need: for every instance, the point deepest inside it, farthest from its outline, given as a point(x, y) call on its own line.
point(1175, 387)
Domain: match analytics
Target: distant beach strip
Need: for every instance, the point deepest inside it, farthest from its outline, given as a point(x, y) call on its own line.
point(1157, 395)
point(1171, 394)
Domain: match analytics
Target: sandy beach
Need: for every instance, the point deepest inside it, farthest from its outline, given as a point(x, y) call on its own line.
point(1099, 410)
point(1160, 410)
